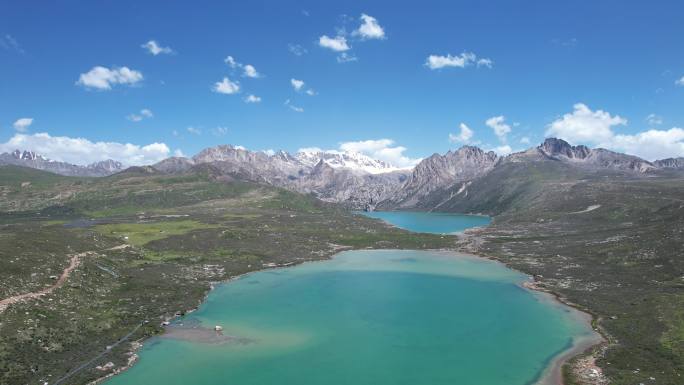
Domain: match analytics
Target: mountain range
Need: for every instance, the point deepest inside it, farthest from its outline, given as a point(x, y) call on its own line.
point(361, 182)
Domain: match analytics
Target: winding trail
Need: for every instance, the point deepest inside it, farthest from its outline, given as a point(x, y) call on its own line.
point(74, 262)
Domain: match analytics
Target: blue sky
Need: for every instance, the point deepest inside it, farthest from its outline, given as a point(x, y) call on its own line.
point(608, 73)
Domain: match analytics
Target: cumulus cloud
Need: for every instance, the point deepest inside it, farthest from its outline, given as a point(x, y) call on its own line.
point(466, 59)
point(369, 28)
point(382, 149)
point(250, 71)
point(143, 114)
point(297, 84)
point(103, 78)
point(498, 124)
point(252, 99)
point(226, 86)
point(83, 151)
point(155, 49)
point(22, 124)
point(463, 136)
point(583, 125)
point(680, 81)
point(595, 128)
point(337, 43)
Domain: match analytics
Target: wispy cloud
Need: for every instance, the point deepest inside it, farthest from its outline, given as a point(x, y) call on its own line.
point(145, 113)
point(466, 59)
point(102, 78)
point(8, 42)
point(464, 136)
point(248, 70)
point(297, 49)
point(252, 99)
point(194, 130)
point(22, 124)
point(293, 107)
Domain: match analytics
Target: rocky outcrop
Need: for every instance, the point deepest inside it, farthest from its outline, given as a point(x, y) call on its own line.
point(670, 163)
point(440, 172)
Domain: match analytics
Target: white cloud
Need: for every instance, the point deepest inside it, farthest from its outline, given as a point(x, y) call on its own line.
point(498, 124)
point(310, 92)
point(525, 140)
point(584, 125)
point(293, 107)
point(231, 62)
point(297, 84)
point(337, 44)
point(269, 152)
point(502, 150)
point(194, 130)
point(369, 29)
point(381, 149)
point(226, 87)
point(346, 57)
point(595, 128)
point(463, 60)
point(144, 113)
point(463, 136)
point(651, 144)
point(296, 49)
point(83, 151)
point(155, 49)
point(252, 99)
point(680, 81)
point(8, 42)
point(250, 71)
point(103, 78)
point(220, 131)
point(654, 120)
point(22, 124)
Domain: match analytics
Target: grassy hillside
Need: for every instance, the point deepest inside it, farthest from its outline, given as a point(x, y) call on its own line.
point(154, 245)
point(611, 243)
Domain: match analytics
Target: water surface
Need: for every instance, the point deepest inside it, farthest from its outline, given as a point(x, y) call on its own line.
point(423, 222)
point(368, 317)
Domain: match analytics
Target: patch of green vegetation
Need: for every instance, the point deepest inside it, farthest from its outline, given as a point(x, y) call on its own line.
point(139, 234)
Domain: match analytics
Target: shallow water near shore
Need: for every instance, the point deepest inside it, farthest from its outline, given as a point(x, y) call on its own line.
point(433, 222)
point(369, 317)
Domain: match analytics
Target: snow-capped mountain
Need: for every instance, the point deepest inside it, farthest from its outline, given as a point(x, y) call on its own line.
point(37, 161)
point(349, 160)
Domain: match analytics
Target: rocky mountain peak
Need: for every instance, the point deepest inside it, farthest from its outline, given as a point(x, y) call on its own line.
point(554, 147)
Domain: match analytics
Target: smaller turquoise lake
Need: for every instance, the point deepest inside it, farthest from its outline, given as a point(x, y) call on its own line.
point(422, 222)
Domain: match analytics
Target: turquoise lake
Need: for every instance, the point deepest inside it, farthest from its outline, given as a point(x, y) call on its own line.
point(368, 317)
point(422, 222)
